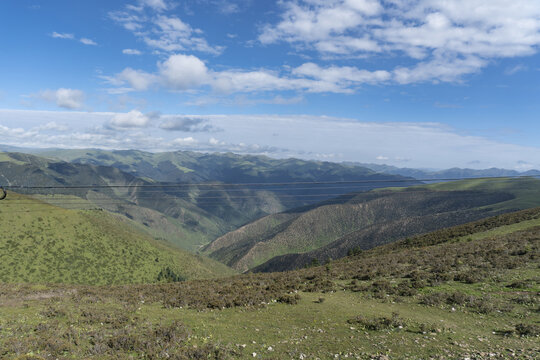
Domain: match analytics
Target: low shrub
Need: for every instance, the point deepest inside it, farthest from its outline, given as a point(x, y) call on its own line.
point(379, 323)
point(527, 329)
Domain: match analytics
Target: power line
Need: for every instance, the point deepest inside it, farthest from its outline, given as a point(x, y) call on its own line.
point(180, 185)
point(196, 201)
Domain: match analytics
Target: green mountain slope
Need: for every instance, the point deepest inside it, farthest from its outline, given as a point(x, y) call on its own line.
point(41, 243)
point(469, 291)
point(191, 215)
point(365, 220)
point(174, 214)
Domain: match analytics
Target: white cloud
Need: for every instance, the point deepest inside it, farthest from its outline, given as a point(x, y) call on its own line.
point(214, 142)
point(68, 36)
point(69, 98)
point(136, 79)
point(172, 35)
point(128, 19)
point(132, 119)
point(158, 5)
point(250, 81)
point(185, 141)
point(52, 126)
point(162, 32)
point(131, 52)
point(309, 137)
point(87, 41)
point(244, 100)
point(342, 75)
point(461, 35)
point(188, 72)
point(228, 8)
point(62, 35)
point(439, 69)
point(183, 72)
point(65, 98)
point(515, 69)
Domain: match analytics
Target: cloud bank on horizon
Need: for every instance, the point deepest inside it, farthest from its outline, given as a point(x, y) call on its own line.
point(422, 83)
point(425, 145)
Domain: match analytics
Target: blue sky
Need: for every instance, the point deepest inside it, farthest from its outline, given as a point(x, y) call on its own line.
point(416, 83)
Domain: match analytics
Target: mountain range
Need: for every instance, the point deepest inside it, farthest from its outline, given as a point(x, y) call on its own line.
point(183, 197)
point(453, 173)
point(254, 213)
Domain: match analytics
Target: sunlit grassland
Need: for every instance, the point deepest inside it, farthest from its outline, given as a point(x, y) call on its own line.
point(41, 243)
point(435, 296)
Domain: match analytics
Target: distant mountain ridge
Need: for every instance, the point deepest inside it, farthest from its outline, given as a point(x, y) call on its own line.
point(453, 173)
point(194, 166)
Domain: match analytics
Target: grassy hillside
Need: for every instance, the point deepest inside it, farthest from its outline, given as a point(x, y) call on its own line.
point(168, 213)
point(364, 220)
point(41, 243)
point(526, 191)
point(470, 291)
point(375, 218)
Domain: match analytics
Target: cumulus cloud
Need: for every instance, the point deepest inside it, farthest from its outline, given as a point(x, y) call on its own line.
point(136, 79)
point(441, 41)
point(187, 124)
point(132, 119)
point(461, 35)
point(65, 98)
point(183, 72)
point(189, 141)
point(188, 72)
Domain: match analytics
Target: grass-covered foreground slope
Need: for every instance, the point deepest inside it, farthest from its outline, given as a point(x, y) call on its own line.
point(46, 244)
point(471, 291)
